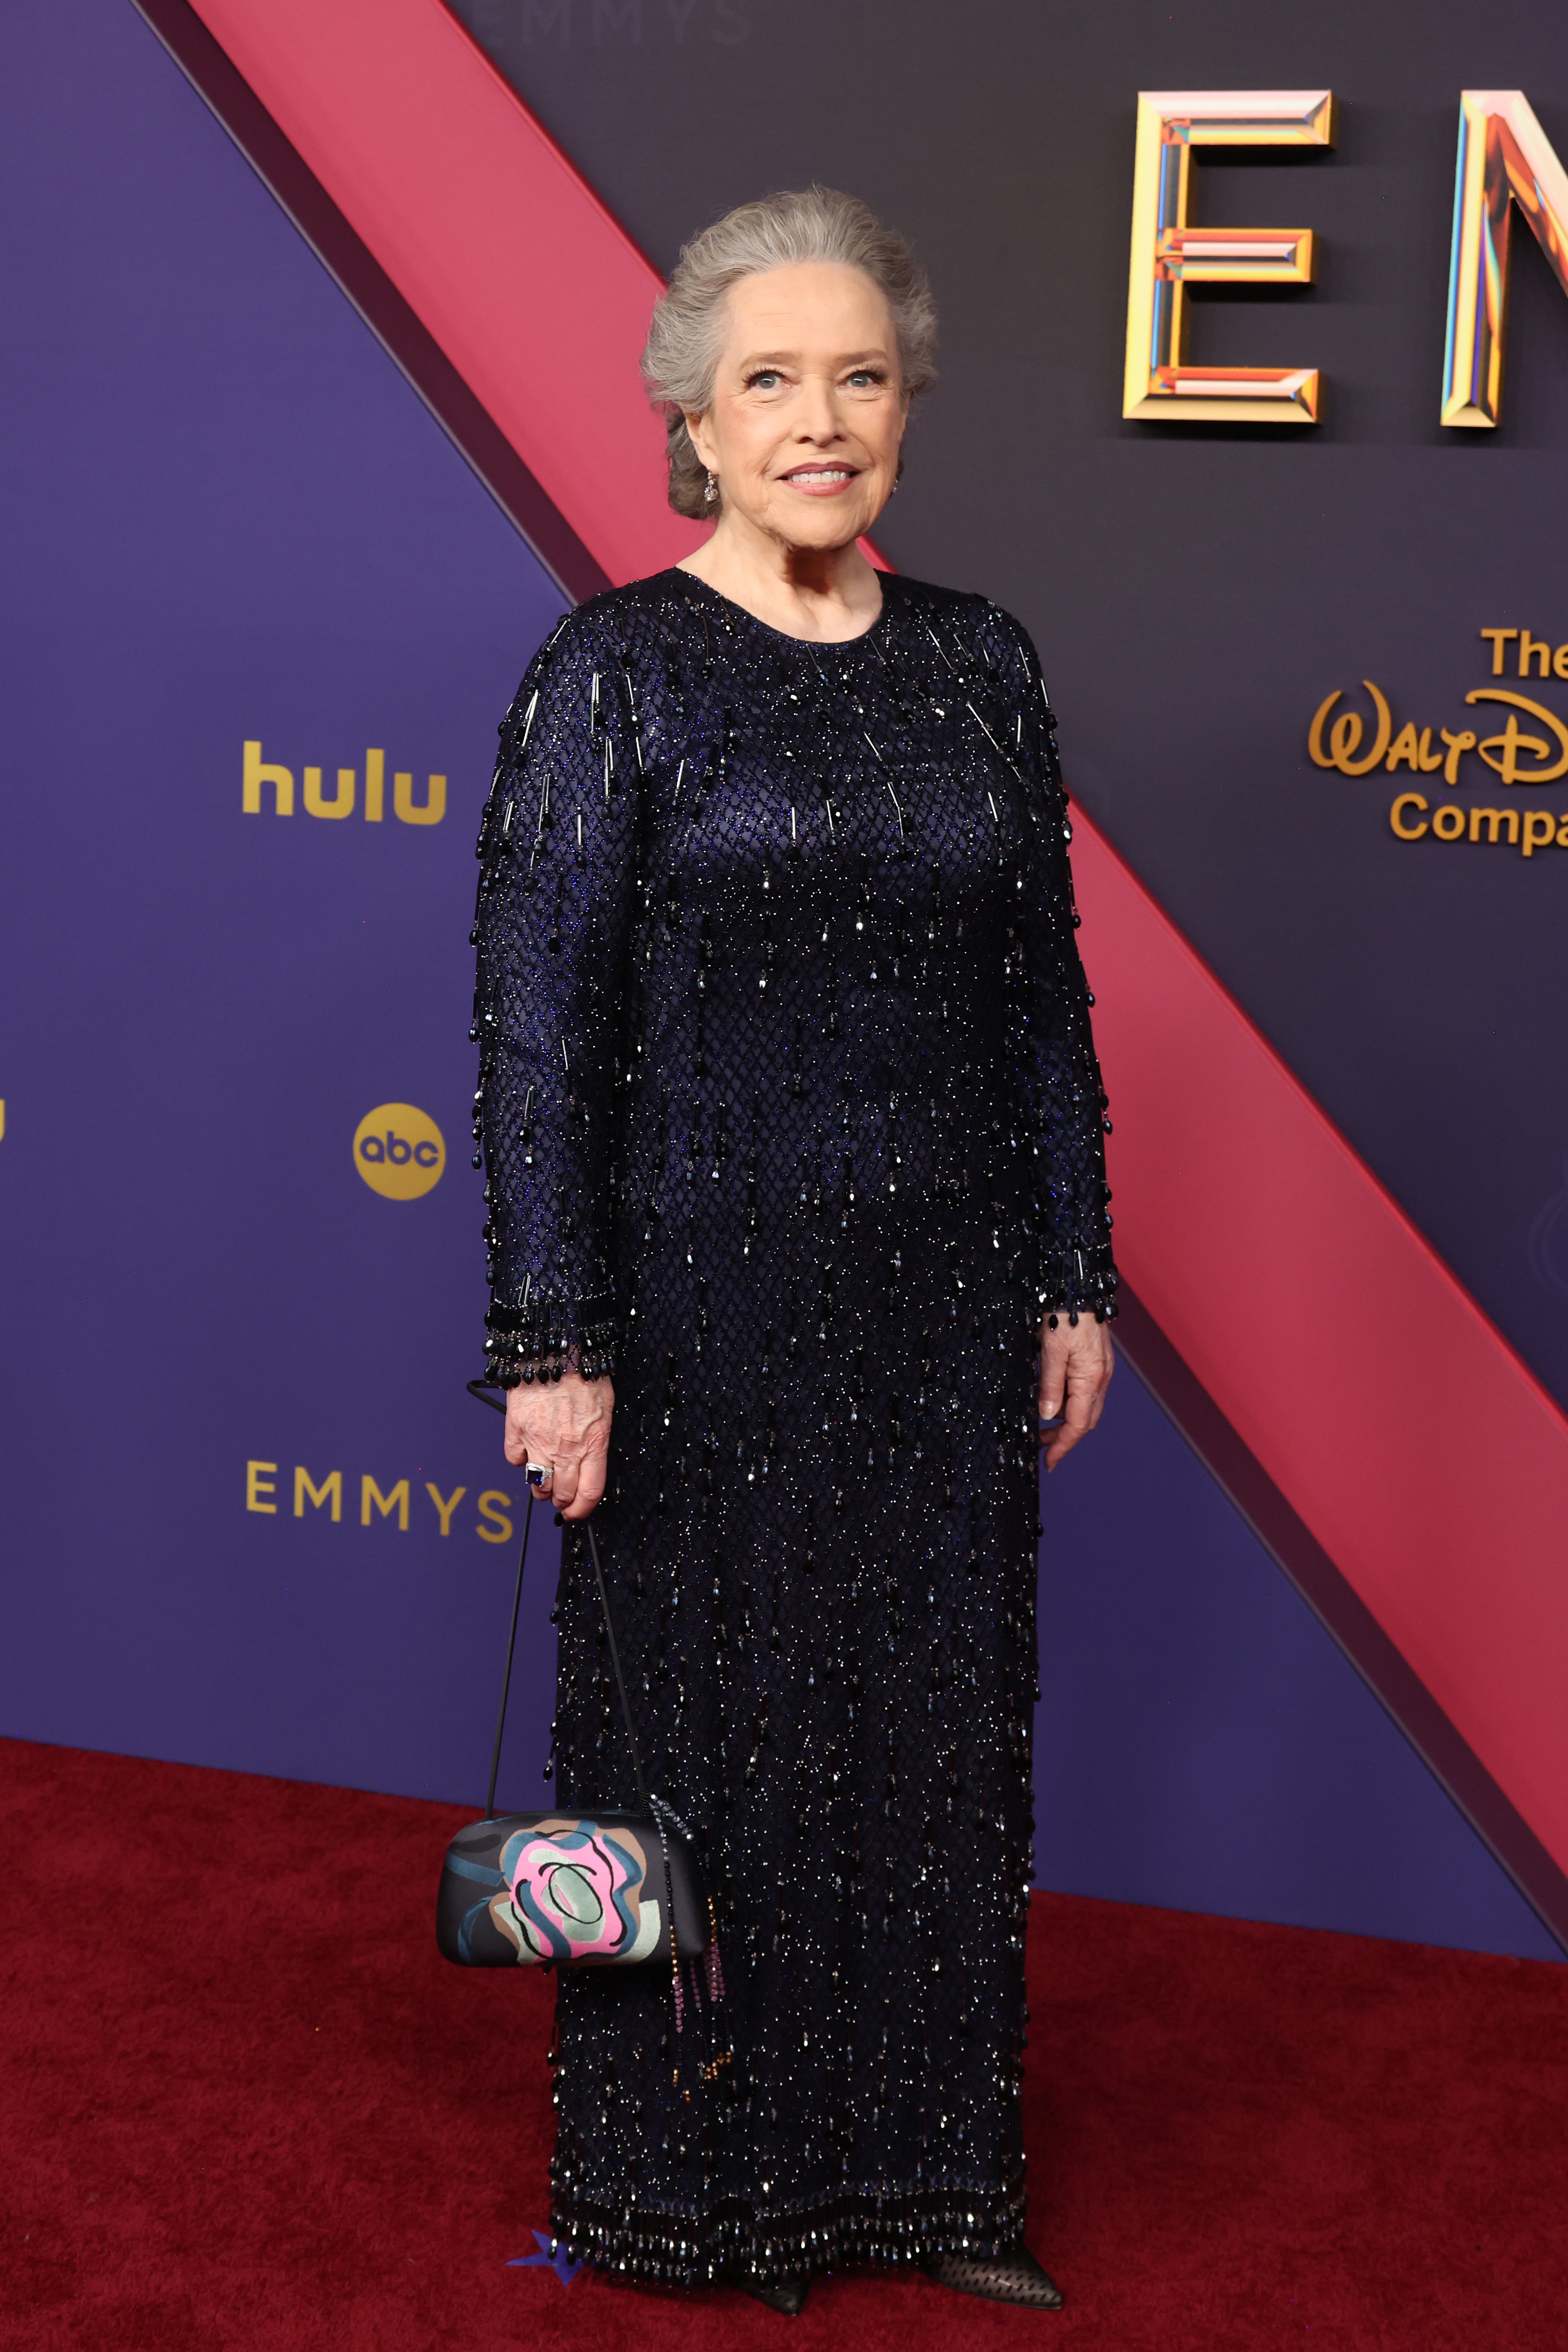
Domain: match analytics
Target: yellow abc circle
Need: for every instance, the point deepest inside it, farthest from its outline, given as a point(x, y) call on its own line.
point(399, 1150)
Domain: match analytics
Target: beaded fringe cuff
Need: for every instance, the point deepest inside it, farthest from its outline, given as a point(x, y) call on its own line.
point(1079, 1282)
point(899, 2225)
point(549, 1336)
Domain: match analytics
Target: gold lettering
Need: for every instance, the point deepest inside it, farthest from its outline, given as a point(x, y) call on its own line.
point(1560, 662)
point(343, 804)
point(1407, 832)
point(1563, 834)
point(374, 786)
point(1530, 840)
point(1345, 734)
point(1406, 749)
point(256, 1485)
point(369, 1492)
point(1499, 637)
point(1508, 745)
point(403, 802)
point(1464, 741)
point(1427, 760)
point(494, 1505)
point(330, 1490)
point(1511, 741)
point(1169, 254)
point(1529, 647)
point(1494, 817)
point(259, 772)
point(444, 1511)
point(1505, 159)
point(1315, 752)
point(1448, 820)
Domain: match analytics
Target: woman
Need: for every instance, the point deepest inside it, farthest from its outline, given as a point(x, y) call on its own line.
point(797, 1216)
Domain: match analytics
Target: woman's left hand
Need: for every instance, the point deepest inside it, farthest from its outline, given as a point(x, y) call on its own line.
point(1076, 1364)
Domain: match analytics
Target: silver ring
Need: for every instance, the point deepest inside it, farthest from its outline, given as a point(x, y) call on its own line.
point(539, 1474)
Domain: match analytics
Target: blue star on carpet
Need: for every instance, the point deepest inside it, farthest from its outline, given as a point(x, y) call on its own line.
point(560, 2261)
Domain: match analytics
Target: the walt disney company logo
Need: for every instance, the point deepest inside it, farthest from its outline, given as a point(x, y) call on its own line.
point(1516, 754)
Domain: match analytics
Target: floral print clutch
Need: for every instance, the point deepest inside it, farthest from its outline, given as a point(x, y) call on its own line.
point(606, 1889)
point(532, 1890)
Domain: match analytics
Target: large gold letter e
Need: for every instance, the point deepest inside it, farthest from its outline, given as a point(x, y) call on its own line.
point(1505, 159)
point(1169, 254)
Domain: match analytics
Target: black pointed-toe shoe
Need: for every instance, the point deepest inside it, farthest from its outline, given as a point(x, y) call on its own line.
point(1013, 2277)
point(786, 2295)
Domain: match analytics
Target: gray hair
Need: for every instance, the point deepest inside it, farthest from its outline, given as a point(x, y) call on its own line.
point(687, 330)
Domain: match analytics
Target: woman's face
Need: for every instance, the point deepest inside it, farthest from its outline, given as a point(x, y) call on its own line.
point(803, 427)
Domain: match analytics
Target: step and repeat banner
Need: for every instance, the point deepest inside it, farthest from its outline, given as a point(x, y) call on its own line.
point(261, 622)
point(261, 625)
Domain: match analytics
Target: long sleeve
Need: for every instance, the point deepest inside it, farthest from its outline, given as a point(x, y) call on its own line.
point(1063, 1092)
point(558, 852)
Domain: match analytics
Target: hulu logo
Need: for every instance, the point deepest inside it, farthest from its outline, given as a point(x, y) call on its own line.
point(266, 775)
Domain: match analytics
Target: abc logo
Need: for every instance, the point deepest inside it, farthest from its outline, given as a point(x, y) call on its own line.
point(399, 1151)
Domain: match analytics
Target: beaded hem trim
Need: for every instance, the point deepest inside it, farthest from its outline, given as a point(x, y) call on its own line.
point(864, 2226)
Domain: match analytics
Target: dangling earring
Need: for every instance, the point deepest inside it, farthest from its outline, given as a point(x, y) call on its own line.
point(711, 492)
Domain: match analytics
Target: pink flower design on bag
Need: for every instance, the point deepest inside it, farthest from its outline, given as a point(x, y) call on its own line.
point(567, 1894)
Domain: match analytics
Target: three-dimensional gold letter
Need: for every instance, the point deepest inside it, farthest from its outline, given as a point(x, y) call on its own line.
point(1169, 254)
point(1505, 159)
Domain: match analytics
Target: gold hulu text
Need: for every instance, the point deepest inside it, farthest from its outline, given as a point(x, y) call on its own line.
point(259, 774)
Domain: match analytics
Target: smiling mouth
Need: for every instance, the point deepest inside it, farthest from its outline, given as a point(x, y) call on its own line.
point(821, 478)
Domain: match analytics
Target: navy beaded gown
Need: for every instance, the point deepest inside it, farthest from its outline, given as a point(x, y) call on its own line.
point(793, 1123)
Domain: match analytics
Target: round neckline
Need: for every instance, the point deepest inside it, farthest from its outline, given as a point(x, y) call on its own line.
point(786, 636)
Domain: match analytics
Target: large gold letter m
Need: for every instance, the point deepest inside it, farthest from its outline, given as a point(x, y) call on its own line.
point(1505, 159)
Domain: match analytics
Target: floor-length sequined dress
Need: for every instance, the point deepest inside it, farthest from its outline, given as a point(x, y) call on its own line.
point(792, 1116)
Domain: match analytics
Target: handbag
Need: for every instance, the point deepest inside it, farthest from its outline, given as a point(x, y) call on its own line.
point(605, 1888)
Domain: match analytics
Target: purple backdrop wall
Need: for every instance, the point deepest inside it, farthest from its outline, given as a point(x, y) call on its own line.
point(231, 520)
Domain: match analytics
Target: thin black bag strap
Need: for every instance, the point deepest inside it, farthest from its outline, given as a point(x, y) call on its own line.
point(615, 1662)
point(477, 1389)
point(510, 1646)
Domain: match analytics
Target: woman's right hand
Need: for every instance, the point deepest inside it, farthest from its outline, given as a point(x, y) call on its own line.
point(564, 1423)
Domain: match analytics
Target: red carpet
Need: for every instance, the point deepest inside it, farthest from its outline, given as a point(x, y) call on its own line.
point(254, 2108)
